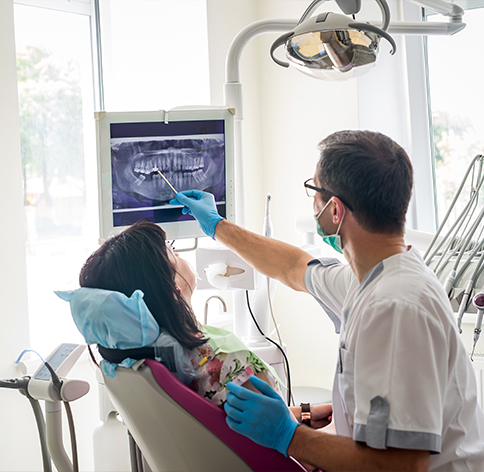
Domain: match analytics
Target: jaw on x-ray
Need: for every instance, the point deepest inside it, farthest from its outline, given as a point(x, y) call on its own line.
point(195, 163)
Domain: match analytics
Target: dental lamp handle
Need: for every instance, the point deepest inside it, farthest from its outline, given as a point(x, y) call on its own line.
point(376, 30)
point(276, 44)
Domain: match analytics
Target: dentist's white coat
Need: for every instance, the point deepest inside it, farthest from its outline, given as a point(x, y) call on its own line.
point(403, 377)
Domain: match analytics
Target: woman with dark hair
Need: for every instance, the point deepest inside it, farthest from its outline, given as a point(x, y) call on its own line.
point(135, 294)
point(140, 258)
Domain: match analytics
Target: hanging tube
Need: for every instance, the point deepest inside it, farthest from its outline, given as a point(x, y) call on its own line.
point(449, 211)
point(450, 281)
point(458, 222)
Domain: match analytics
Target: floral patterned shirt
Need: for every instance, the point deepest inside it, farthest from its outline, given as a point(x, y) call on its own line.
point(214, 369)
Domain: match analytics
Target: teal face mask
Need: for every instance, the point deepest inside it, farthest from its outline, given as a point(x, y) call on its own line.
point(334, 240)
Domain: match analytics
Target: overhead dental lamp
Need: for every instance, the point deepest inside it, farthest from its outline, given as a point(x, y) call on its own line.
point(333, 46)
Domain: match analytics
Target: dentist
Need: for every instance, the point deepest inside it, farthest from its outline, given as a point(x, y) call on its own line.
point(404, 394)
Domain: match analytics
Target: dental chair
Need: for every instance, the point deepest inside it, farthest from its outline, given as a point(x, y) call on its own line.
point(178, 430)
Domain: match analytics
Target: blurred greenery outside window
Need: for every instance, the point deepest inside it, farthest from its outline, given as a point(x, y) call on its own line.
point(56, 106)
point(456, 96)
point(56, 71)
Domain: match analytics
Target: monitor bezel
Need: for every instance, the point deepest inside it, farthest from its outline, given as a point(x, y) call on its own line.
point(177, 229)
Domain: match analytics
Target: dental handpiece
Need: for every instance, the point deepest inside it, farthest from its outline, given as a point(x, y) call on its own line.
point(166, 180)
point(267, 230)
point(479, 304)
point(464, 304)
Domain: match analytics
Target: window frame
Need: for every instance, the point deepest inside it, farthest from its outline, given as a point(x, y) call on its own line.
point(466, 5)
point(88, 8)
point(409, 121)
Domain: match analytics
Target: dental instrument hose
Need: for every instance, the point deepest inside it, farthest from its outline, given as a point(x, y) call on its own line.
point(451, 278)
point(58, 384)
point(268, 232)
point(470, 286)
point(286, 365)
point(39, 419)
point(72, 432)
point(289, 388)
point(449, 211)
point(21, 386)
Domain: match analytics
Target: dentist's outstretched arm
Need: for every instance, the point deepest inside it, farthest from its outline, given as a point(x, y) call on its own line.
point(270, 257)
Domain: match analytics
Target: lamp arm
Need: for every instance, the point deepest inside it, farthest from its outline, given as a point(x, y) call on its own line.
point(385, 13)
point(350, 7)
point(441, 6)
point(310, 10)
point(423, 28)
point(232, 70)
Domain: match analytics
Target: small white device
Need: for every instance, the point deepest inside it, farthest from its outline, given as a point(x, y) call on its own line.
point(62, 359)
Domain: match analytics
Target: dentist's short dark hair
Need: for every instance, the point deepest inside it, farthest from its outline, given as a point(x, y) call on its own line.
point(372, 173)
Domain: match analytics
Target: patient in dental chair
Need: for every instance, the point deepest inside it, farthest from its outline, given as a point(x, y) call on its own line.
point(135, 302)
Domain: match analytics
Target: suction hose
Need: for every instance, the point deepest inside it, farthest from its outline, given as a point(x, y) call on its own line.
point(39, 419)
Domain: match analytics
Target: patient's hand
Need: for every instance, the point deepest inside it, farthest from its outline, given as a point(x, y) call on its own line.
point(321, 415)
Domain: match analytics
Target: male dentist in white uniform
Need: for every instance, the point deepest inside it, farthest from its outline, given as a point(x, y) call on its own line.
point(404, 395)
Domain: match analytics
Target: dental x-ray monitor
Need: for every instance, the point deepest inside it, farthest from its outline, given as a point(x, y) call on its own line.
point(192, 148)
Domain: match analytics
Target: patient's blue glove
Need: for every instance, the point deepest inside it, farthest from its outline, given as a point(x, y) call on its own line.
point(263, 418)
point(202, 206)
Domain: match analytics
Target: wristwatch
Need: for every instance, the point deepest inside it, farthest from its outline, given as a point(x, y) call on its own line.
point(306, 414)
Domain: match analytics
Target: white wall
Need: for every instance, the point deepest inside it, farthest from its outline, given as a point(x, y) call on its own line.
point(392, 99)
point(286, 115)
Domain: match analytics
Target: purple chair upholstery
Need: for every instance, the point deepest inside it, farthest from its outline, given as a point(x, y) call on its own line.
point(258, 458)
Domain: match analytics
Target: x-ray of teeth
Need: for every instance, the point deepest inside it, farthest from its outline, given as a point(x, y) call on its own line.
point(197, 163)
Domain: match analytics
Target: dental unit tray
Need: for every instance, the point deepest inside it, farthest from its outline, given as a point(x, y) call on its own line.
point(145, 157)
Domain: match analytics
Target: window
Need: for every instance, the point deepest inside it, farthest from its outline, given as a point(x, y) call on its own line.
point(56, 101)
point(456, 96)
point(156, 58)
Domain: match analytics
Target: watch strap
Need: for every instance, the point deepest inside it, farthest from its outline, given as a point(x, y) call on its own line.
point(306, 414)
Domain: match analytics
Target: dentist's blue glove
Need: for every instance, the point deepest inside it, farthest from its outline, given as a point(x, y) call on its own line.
point(202, 206)
point(263, 418)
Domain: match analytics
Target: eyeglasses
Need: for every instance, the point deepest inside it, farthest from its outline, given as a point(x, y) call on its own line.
point(311, 192)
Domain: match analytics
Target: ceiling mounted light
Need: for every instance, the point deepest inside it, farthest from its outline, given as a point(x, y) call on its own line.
point(332, 46)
